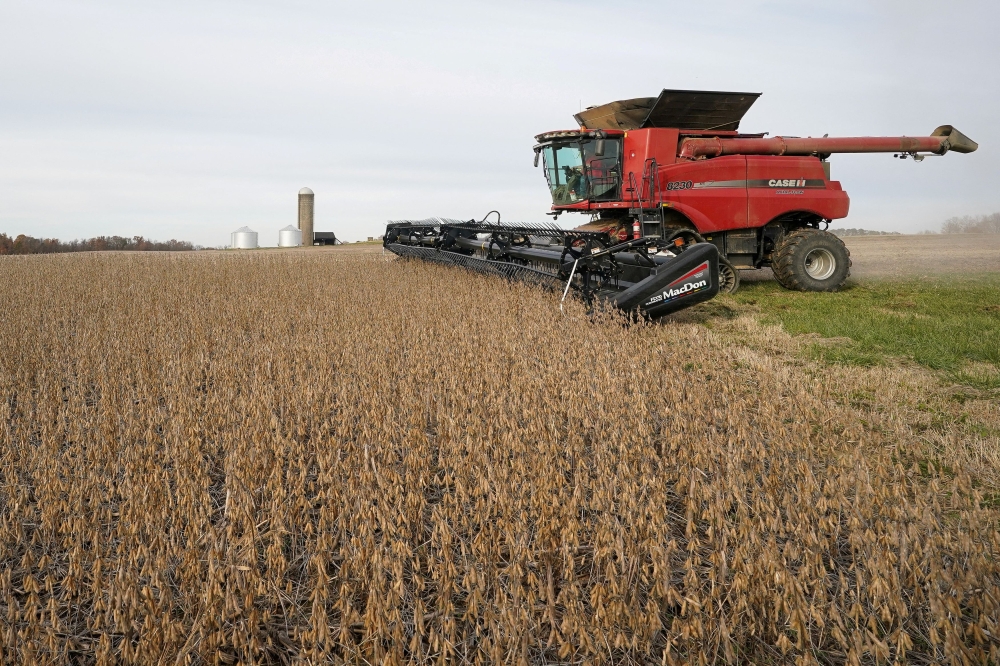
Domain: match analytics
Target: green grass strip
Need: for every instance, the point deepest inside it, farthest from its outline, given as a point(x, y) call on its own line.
point(944, 324)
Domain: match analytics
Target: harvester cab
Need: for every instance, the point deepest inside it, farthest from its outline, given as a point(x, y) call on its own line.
point(657, 167)
point(581, 166)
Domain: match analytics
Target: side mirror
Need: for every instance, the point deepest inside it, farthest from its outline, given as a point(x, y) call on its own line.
point(536, 157)
point(599, 147)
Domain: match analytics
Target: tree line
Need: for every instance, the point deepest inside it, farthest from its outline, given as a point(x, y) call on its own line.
point(23, 244)
point(972, 224)
point(863, 232)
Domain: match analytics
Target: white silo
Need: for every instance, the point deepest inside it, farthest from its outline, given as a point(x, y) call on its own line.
point(244, 238)
point(289, 237)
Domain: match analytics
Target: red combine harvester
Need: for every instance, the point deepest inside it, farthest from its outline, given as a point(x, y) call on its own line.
point(679, 200)
point(677, 163)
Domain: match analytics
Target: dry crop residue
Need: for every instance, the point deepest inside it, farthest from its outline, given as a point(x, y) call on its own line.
point(268, 457)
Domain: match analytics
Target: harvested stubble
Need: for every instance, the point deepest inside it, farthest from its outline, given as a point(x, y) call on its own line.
point(313, 456)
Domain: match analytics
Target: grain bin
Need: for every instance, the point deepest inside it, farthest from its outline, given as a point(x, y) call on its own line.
point(289, 237)
point(244, 238)
point(306, 202)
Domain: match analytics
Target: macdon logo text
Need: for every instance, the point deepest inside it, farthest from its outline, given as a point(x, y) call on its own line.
point(671, 294)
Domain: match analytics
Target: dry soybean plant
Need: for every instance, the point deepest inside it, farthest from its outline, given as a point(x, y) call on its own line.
point(320, 457)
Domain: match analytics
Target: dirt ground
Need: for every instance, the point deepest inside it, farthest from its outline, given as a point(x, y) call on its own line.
point(915, 256)
point(906, 256)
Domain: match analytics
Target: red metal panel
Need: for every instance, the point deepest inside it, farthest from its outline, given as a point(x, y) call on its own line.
point(779, 185)
point(711, 193)
point(662, 145)
point(641, 146)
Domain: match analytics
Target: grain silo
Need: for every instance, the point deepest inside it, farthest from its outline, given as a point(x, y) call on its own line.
point(289, 237)
point(244, 238)
point(306, 202)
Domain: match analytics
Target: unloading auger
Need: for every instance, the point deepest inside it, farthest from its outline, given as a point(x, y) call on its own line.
point(647, 276)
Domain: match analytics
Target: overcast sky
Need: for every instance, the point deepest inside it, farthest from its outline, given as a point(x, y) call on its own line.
point(188, 120)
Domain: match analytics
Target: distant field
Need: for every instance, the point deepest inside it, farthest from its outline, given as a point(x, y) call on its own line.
point(916, 256)
point(874, 256)
point(930, 254)
point(330, 455)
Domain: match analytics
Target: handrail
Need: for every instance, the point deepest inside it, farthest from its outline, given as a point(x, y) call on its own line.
point(649, 173)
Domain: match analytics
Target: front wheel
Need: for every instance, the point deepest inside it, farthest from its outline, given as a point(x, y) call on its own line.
point(729, 279)
point(811, 260)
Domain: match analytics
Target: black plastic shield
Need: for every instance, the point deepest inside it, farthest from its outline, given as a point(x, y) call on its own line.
point(690, 278)
point(700, 109)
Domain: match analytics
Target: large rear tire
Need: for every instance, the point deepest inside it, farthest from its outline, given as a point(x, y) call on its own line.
point(811, 260)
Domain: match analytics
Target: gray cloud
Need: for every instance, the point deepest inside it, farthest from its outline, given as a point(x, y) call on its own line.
point(188, 120)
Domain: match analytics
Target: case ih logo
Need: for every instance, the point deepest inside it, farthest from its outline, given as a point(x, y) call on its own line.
point(691, 284)
point(786, 183)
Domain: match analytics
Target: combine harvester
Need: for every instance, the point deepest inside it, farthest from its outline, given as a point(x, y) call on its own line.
point(679, 201)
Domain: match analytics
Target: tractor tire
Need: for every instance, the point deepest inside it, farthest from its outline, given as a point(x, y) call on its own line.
point(811, 260)
point(729, 277)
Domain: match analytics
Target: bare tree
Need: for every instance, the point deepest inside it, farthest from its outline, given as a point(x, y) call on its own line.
point(972, 224)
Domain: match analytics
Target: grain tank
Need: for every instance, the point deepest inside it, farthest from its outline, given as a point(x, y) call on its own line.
point(289, 237)
point(243, 238)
